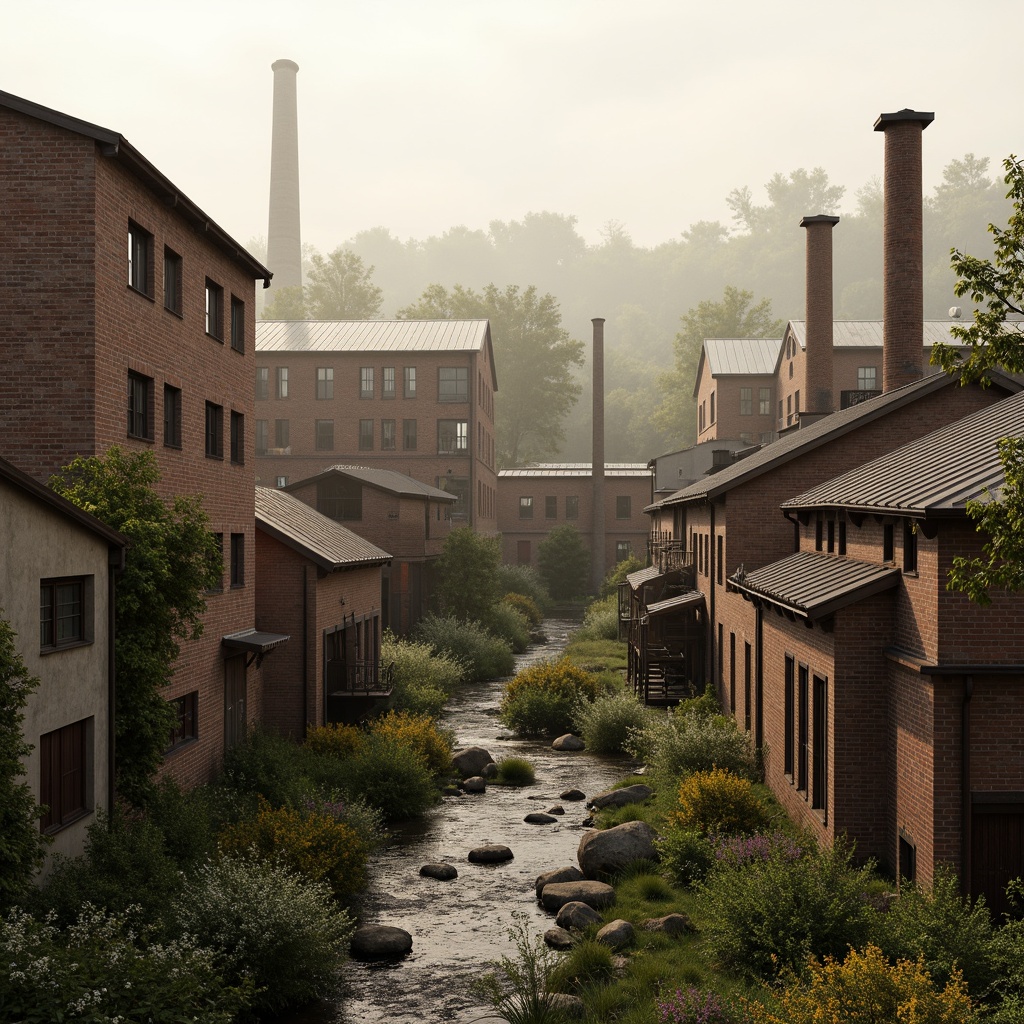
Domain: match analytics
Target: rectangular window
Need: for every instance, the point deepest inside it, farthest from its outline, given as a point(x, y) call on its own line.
point(237, 324)
point(841, 547)
point(366, 435)
point(388, 435)
point(819, 534)
point(526, 508)
point(572, 507)
point(262, 437)
point(909, 546)
point(262, 383)
point(387, 387)
point(325, 383)
point(796, 403)
point(281, 434)
point(623, 507)
point(214, 310)
point(366, 382)
point(325, 435)
point(721, 657)
point(866, 378)
point(237, 438)
point(718, 559)
point(172, 281)
point(888, 544)
point(172, 417)
point(409, 435)
point(281, 481)
point(238, 559)
point(764, 401)
point(140, 406)
point(452, 437)
point(64, 775)
point(788, 716)
point(64, 618)
point(746, 401)
point(282, 382)
point(789, 409)
point(522, 552)
point(409, 377)
point(185, 727)
point(746, 686)
point(732, 673)
point(551, 506)
point(712, 407)
point(819, 745)
point(453, 384)
point(140, 259)
point(214, 431)
point(622, 550)
point(801, 730)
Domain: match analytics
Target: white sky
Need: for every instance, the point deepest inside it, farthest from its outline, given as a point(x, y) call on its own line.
point(419, 115)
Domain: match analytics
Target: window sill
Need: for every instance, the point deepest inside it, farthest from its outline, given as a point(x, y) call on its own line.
point(176, 447)
point(238, 586)
point(139, 437)
point(216, 458)
point(139, 291)
point(43, 651)
point(175, 312)
point(76, 816)
point(213, 337)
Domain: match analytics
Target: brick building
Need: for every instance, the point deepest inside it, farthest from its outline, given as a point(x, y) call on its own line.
point(127, 318)
point(413, 396)
point(735, 389)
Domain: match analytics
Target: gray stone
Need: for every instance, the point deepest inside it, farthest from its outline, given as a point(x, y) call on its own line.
point(604, 852)
point(573, 794)
point(594, 894)
point(558, 938)
point(670, 924)
point(569, 1006)
point(620, 797)
point(442, 872)
point(570, 873)
point(471, 761)
point(489, 771)
point(492, 853)
point(618, 934)
point(537, 818)
point(451, 791)
point(380, 942)
point(569, 742)
point(576, 915)
point(557, 809)
point(476, 784)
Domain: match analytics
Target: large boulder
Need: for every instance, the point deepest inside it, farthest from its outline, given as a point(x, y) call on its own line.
point(442, 872)
point(570, 873)
point(471, 761)
point(595, 894)
point(491, 853)
point(617, 934)
point(620, 797)
point(538, 818)
point(604, 852)
point(569, 742)
point(558, 938)
point(576, 915)
point(380, 942)
point(671, 924)
point(475, 784)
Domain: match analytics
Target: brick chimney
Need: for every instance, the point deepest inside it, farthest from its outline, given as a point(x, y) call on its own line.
point(284, 243)
point(597, 564)
point(902, 246)
point(818, 357)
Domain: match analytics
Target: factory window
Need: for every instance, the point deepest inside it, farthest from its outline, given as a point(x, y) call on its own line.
point(214, 310)
point(172, 281)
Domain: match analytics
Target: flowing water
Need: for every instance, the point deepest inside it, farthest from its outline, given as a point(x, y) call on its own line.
point(460, 927)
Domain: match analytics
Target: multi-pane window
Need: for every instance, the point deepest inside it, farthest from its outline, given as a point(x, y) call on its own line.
point(387, 389)
point(572, 507)
point(62, 613)
point(140, 259)
point(623, 550)
point(214, 310)
point(366, 435)
point(262, 437)
point(801, 729)
point(526, 508)
point(172, 281)
point(281, 434)
point(764, 401)
point(185, 719)
point(140, 406)
point(888, 544)
point(453, 384)
point(866, 378)
point(366, 382)
point(551, 506)
point(623, 507)
point(237, 324)
point(819, 743)
point(409, 378)
point(712, 407)
point(746, 401)
point(388, 435)
point(409, 435)
point(325, 435)
point(64, 775)
point(452, 437)
point(172, 416)
point(325, 383)
point(238, 559)
point(237, 437)
point(214, 431)
point(282, 382)
point(262, 382)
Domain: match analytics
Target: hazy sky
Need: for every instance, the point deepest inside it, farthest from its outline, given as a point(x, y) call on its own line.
point(419, 115)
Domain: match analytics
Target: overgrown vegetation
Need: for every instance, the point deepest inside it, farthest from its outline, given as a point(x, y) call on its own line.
point(564, 563)
point(541, 698)
point(607, 722)
point(484, 655)
point(600, 620)
point(423, 678)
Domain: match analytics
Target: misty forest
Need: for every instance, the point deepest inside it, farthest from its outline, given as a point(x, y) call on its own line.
point(540, 283)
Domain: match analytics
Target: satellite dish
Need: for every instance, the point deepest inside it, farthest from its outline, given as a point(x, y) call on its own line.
point(954, 312)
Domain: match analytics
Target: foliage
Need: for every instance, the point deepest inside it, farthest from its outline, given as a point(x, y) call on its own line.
point(766, 916)
point(525, 580)
point(619, 573)
point(718, 802)
point(269, 765)
point(600, 621)
point(21, 843)
point(108, 967)
point(187, 821)
point(605, 723)
point(1008, 957)
point(526, 606)
point(535, 357)
point(485, 656)
point(270, 925)
point(392, 778)
point(423, 680)
point(589, 962)
point(339, 287)
point(334, 739)
point(687, 854)
point(311, 842)
point(865, 986)
point(695, 1006)
point(564, 562)
point(171, 562)
point(515, 771)
point(506, 622)
point(540, 699)
point(466, 570)
point(421, 734)
point(289, 304)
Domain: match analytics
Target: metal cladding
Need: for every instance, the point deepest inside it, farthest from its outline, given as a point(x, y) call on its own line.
point(284, 241)
point(597, 546)
point(818, 389)
point(903, 302)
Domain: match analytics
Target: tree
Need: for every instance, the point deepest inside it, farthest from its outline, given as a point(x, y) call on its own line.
point(289, 304)
point(533, 356)
point(172, 561)
point(21, 842)
point(991, 340)
point(467, 574)
point(339, 288)
point(791, 197)
point(734, 317)
point(564, 562)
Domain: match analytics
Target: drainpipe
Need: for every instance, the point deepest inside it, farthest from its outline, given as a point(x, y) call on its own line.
point(712, 577)
point(796, 528)
point(965, 785)
point(305, 648)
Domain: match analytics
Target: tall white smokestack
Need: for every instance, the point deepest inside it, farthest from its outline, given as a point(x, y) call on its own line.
point(284, 241)
point(597, 462)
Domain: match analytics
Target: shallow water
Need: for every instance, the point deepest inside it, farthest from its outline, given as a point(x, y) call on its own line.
point(460, 927)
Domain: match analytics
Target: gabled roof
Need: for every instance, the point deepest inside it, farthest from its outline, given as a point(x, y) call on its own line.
point(323, 541)
point(384, 480)
point(811, 585)
point(935, 474)
point(738, 357)
point(793, 444)
point(116, 146)
point(578, 469)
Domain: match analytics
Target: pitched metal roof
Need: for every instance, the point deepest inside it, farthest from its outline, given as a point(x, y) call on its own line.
point(383, 479)
point(325, 542)
point(869, 333)
point(574, 469)
point(743, 356)
point(641, 576)
point(372, 335)
point(937, 473)
point(691, 599)
point(812, 585)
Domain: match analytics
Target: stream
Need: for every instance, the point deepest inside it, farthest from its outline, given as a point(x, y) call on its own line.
point(460, 928)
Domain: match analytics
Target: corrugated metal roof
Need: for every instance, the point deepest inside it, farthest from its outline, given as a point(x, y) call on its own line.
point(320, 539)
point(813, 585)
point(741, 356)
point(940, 472)
point(371, 335)
point(385, 479)
point(869, 333)
point(642, 576)
point(691, 599)
point(572, 469)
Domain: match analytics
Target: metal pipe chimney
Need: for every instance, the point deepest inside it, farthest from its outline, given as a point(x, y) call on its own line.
point(284, 242)
point(819, 354)
point(597, 552)
point(903, 302)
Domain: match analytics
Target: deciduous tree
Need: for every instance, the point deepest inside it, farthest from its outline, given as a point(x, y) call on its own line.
point(564, 562)
point(339, 287)
point(467, 574)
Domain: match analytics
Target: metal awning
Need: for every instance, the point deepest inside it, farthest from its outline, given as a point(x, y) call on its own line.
point(254, 641)
point(691, 599)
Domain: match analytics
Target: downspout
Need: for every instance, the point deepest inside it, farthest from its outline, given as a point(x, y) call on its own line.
point(712, 570)
point(305, 648)
point(796, 528)
point(965, 784)
point(759, 678)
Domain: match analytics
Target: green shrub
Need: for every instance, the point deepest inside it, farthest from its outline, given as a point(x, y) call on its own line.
point(335, 739)
point(605, 724)
point(601, 621)
point(619, 573)
point(186, 820)
point(541, 698)
point(704, 708)
point(687, 854)
point(564, 563)
point(506, 622)
point(485, 656)
point(526, 607)
point(423, 680)
point(269, 924)
point(1008, 957)
point(588, 963)
point(767, 916)
point(697, 1006)
point(391, 777)
point(718, 802)
point(467, 571)
point(515, 771)
point(525, 580)
point(421, 734)
point(269, 765)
